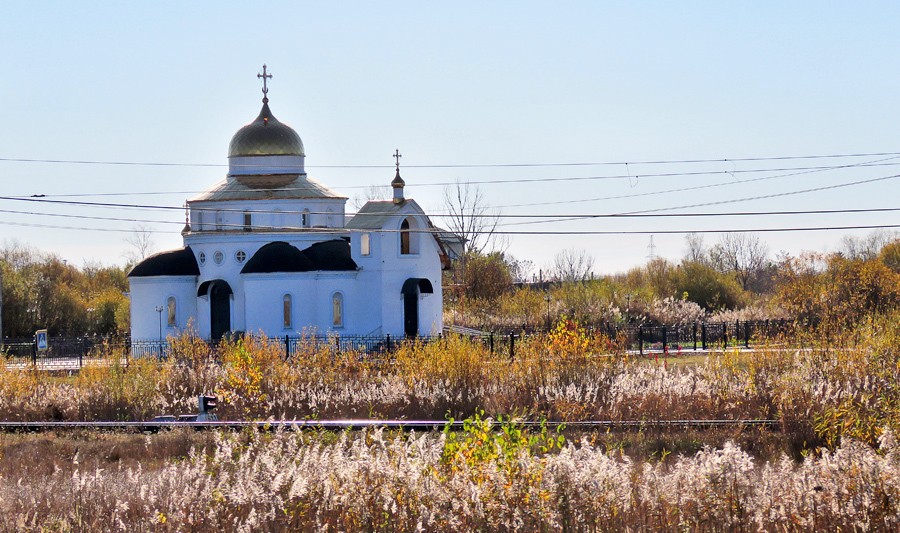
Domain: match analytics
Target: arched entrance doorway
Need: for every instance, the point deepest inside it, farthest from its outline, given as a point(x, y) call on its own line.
point(411, 290)
point(219, 293)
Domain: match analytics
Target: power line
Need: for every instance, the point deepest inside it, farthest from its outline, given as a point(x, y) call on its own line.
point(50, 226)
point(702, 187)
point(536, 232)
point(554, 218)
point(579, 216)
point(719, 202)
point(800, 170)
point(43, 198)
point(472, 165)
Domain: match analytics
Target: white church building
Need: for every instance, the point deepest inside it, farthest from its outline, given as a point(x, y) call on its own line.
point(269, 250)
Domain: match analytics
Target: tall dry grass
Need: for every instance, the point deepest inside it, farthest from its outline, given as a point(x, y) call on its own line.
point(821, 388)
point(476, 481)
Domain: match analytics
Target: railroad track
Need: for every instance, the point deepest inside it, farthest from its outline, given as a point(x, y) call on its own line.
point(402, 425)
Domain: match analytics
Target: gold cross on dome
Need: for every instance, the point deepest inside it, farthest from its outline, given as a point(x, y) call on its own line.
point(397, 157)
point(264, 77)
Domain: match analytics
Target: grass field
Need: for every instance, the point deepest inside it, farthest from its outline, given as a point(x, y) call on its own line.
point(832, 466)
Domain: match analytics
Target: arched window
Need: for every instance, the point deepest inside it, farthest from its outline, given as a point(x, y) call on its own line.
point(404, 237)
point(304, 218)
point(286, 310)
point(171, 312)
point(337, 310)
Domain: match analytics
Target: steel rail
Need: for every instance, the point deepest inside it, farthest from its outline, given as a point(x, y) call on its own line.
point(359, 424)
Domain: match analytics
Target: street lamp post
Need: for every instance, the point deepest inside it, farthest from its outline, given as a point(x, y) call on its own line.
point(159, 310)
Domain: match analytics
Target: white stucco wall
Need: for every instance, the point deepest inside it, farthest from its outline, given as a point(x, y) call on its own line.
point(395, 268)
point(148, 293)
point(311, 295)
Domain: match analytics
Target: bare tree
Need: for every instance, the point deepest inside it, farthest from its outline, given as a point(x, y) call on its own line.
point(867, 247)
point(141, 243)
point(469, 217)
point(373, 192)
point(696, 250)
point(742, 254)
point(572, 265)
point(520, 270)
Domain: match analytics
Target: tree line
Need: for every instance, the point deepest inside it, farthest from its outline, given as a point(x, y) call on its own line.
point(735, 278)
point(42, 291)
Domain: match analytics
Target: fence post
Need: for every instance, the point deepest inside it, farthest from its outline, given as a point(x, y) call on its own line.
point(388, 342)
point(34, 353)
point(641, 340)
point(725, 335)
point(337, 344)
point(81, 358)
point(694, 335)
point(703, 335)
point(491, 339)
point(512, 345)
point(746, 334)
point(287, 347)
point(665, 335)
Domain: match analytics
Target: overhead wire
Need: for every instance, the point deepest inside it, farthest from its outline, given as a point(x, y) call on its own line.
point(474, 165)
point(732, 172)
point(532, 232)
point(513, 216)
point(719, 202)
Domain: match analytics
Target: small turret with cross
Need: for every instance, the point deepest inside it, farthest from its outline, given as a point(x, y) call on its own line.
point(398, 182)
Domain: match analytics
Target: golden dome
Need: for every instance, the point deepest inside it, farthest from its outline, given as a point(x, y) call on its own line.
point(265, 136)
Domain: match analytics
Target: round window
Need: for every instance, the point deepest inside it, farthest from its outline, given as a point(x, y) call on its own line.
point(240, 256)
point(218, 257)
point(202, 258)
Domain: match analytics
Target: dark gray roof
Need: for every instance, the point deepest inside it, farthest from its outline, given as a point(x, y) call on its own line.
point(266, 187)
point(283, 257)
point(171, 263)
point(375, 214)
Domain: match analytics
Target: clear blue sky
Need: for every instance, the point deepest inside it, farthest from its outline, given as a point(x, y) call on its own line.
point(459, 83)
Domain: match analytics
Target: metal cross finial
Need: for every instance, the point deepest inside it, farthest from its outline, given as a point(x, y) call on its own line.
point(397, 157)
point(265, 88)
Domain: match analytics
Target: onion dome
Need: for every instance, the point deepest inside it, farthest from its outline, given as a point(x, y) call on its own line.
point(265, 136)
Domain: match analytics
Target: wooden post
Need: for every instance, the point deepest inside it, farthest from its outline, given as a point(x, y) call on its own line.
point(512, 345)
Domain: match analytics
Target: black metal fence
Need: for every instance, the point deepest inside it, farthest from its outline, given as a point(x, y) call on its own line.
point(75, 352)
point(647, 338)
